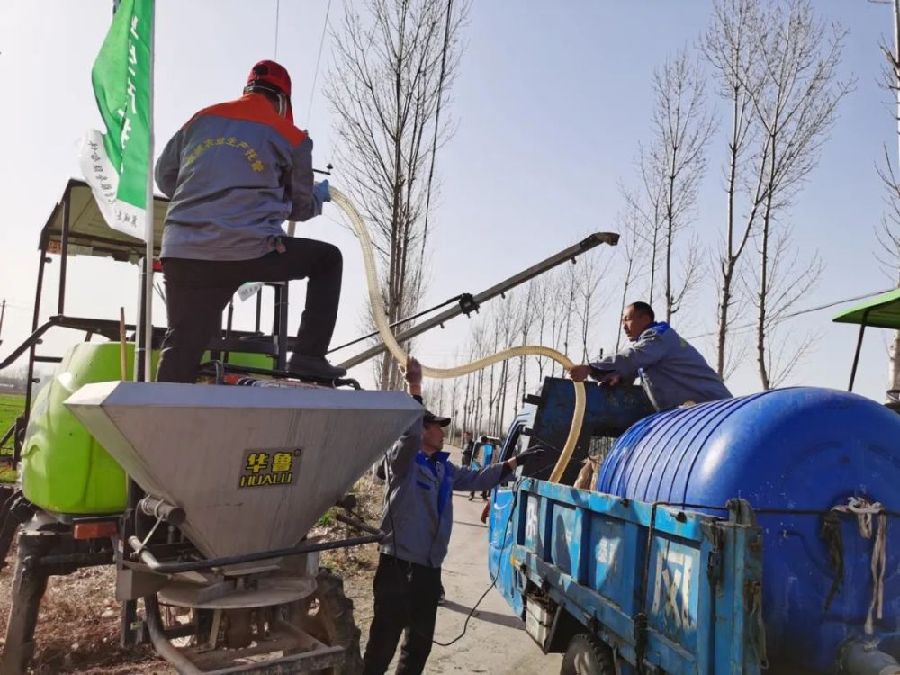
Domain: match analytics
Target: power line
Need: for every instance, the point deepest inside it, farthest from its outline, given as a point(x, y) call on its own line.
point(312, 91)
point(793, 315)
point(277, 12)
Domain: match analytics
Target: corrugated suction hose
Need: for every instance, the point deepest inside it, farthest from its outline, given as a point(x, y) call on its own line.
point(381, 323)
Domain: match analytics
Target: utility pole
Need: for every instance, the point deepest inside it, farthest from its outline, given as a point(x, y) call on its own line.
point(2, 314)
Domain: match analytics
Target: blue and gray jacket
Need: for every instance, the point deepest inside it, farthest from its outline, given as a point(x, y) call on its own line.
point(235, 172)
point(418, 503)
point(673, 372)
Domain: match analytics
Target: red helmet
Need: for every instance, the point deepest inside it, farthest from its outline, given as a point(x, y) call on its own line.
point(270, 73)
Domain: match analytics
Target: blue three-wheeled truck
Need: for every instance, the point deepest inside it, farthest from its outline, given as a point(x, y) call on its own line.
point(738, 536)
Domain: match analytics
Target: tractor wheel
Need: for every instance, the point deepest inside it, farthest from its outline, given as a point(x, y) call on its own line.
point(29, 584)
point(586, 655)
point(327, 615)
point(8, 522)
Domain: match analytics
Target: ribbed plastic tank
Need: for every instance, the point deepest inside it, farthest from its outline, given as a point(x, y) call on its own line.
point(793, 454)
point(64, 469)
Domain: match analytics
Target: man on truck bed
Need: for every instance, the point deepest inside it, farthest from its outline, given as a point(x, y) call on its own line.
point(417, 519)
point(235, 172)
point(673, 372)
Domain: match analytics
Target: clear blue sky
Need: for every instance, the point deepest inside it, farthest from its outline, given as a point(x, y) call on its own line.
point(550, 103)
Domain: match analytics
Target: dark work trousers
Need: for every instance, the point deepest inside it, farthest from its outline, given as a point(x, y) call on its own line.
point(406, 599)
point(198, 290)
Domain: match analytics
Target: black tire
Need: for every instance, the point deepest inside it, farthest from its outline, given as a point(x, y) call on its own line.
point(328, 616)
point(29, 585)
point(586, 655)
point(8, 523)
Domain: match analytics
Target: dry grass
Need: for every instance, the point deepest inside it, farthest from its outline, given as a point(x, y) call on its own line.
point(78, 626)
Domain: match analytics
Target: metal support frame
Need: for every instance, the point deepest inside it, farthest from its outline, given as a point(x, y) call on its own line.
point(280, 323)
point(862, 330)
point(63, 258)
point(26, 412)
point(259, 312)
point(154, 565)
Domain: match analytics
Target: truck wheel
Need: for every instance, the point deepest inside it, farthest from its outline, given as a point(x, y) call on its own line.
point(586, 655)
point(327, 615)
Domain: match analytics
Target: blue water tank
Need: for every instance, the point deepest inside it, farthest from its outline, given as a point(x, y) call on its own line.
point(785, 451)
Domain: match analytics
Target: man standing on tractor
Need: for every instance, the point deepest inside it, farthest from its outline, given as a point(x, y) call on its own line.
point(235, 172)
point(672, 371)
point(417, 519)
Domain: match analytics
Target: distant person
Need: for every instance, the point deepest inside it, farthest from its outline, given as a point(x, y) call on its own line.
point(481, 457)
point(468, 448)
point(235, 172)
point(417, 520)
point(488, 451)
point(673, 372)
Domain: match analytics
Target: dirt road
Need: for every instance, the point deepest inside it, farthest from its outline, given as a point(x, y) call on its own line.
point(495, 641)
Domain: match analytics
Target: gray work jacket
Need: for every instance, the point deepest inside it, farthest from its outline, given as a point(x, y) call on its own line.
point(673, 371)
point(235, 172)
point(418, 504)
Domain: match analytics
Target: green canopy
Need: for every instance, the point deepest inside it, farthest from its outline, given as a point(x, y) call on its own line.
point(879, 311)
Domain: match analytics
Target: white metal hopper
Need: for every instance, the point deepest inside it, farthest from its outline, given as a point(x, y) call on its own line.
point(253, 467)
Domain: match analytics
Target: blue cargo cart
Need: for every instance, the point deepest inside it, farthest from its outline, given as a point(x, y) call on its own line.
point(725, 538)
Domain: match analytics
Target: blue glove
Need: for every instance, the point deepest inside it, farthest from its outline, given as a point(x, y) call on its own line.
point(321, 191)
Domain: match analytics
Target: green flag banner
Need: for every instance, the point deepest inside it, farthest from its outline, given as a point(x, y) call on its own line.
point(116, 163)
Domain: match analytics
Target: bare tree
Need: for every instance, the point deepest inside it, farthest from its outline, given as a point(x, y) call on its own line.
point(790, 279)
point(670, 171)
point(643, 213)
point(590, 272)
point(732, 47)
point(888, 234)
point(393, 71)
point(524, 313)
point(542, 309)
point(794, 95)
point(682, 128)
point(632, 245)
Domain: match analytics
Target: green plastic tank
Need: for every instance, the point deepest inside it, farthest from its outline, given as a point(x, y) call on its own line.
point(64, 469)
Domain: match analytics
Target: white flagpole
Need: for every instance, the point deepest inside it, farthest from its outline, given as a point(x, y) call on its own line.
point(145, 345)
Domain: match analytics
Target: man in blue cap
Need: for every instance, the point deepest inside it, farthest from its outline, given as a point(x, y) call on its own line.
point(417, 520)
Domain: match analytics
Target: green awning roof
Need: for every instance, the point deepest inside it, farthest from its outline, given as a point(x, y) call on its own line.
point(879, 311)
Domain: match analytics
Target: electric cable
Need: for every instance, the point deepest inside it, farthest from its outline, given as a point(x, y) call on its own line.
point(512, 510)
point(277, 12)
point(312, 90)
point(793, 315)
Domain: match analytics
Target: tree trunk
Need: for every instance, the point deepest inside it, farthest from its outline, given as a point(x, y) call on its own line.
point(763, 300)
point(730, 259)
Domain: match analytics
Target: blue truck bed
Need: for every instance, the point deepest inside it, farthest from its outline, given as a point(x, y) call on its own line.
point(653, 588)
point(678, 589)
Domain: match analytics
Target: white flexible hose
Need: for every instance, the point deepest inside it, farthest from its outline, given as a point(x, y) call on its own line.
point(381, 323)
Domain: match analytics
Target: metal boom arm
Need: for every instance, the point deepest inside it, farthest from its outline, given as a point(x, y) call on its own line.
point(570, 253)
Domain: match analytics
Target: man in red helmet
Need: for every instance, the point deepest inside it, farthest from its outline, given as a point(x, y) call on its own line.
point(235, 172)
